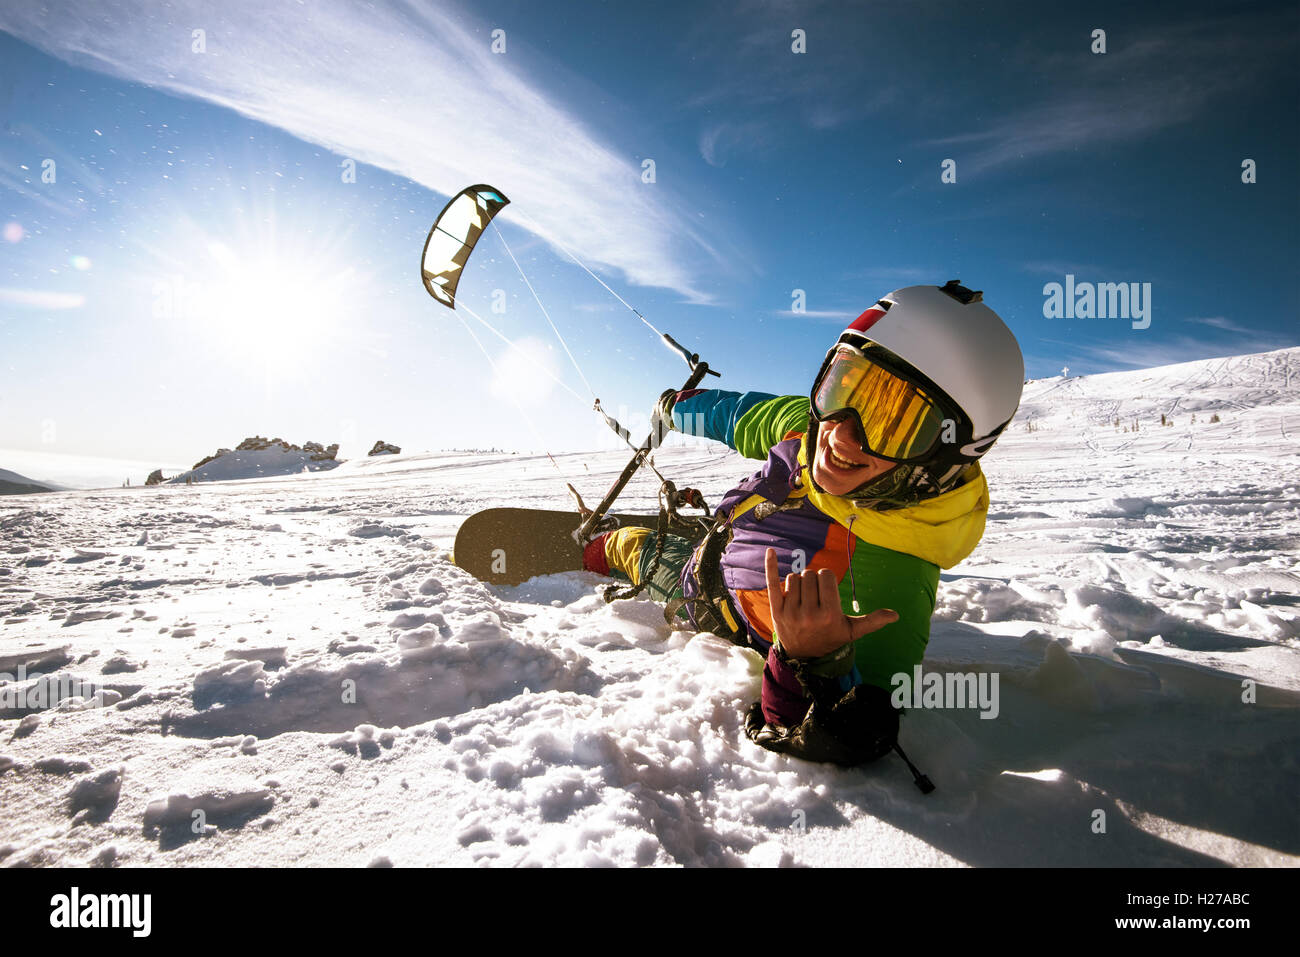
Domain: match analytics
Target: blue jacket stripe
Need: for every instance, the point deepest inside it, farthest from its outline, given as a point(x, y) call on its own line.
point(713, 414)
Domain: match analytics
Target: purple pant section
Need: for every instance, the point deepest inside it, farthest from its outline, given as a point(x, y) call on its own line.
point(784, 702)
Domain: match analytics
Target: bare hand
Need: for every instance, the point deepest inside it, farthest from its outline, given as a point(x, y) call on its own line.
point(806, 612)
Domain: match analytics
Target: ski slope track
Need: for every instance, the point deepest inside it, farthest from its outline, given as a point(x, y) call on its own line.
point(290, 670)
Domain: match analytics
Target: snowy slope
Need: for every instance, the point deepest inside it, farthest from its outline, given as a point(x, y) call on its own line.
point(297, 659)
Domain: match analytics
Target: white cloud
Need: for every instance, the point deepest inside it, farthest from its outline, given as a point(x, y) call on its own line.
point(1220, 322)
point(719, 141)
point(42, 299)
point(415, 91)
point(898, 276)
point(1146, 83)
point(818, 314)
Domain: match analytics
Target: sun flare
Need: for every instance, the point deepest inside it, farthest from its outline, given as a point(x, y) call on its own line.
point(273, 307)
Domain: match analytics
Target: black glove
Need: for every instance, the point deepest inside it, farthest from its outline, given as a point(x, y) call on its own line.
point(861, 726)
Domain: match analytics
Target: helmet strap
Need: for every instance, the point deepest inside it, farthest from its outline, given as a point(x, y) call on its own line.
point(810, 448)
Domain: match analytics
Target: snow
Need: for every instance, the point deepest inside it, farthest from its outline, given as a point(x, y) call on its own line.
point(290, 670)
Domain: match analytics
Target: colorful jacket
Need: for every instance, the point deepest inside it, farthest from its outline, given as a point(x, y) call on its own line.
point(882, 559)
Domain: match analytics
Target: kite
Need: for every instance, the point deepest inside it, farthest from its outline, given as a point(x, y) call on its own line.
point(452, 238)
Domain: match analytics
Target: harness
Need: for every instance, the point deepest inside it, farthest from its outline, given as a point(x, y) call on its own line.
point(711, 609)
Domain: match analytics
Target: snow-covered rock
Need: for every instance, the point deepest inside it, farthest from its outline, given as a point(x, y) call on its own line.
point(259, 457)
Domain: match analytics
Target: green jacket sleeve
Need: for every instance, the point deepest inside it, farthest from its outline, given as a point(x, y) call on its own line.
point(767, 423)
point(749, 422)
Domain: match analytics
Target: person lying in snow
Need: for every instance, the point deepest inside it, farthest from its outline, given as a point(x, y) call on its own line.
point(870, 486)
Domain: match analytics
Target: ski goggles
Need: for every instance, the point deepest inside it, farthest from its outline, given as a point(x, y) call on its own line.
point(899, 420)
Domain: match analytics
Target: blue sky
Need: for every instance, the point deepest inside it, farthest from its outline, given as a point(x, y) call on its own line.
point(199, 271)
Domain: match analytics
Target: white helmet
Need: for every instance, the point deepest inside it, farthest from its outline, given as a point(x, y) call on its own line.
point(958, 353)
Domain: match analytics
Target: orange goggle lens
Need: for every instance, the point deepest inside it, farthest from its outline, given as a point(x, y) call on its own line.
point(899, 421)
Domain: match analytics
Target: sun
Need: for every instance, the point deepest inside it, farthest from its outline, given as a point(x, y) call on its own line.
point(272, 308)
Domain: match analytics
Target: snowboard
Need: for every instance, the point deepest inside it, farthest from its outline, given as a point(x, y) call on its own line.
point(508, 546)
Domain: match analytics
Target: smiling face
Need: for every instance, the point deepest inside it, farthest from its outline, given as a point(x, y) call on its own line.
point(839, 465)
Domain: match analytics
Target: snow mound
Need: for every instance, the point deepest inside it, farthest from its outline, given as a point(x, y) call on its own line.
point(254, 463)
point(210, 803)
